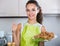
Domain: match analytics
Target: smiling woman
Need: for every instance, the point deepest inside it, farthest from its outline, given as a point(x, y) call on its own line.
point(33, 11)
point(31, 28)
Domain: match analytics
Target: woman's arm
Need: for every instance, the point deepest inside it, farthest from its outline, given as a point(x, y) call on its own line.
point(14, 38)
point(14, 27)
point(16, 33)
point(42, 30)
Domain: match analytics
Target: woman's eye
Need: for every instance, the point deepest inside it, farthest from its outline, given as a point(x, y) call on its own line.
point(33, 9)
point(27, 10)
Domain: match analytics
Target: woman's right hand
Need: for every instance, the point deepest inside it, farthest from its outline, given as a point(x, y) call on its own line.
point(14, 27)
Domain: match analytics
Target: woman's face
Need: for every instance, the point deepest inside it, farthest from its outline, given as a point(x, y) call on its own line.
point(31, 10)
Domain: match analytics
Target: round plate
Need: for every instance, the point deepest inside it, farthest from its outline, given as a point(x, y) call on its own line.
point(41, 39)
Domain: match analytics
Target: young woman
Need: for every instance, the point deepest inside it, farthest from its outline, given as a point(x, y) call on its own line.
point(31, 28)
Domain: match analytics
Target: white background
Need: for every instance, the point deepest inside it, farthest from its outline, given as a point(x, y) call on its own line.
point(17, 7)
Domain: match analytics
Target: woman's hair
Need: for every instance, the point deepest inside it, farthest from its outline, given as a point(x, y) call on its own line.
point(39, 17)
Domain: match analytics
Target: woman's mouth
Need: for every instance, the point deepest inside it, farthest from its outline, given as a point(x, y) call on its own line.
point(31, 15)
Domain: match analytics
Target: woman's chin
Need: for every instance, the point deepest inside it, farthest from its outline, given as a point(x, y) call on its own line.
point(31, 18)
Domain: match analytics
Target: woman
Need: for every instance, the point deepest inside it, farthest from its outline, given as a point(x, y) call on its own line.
point(31, 28)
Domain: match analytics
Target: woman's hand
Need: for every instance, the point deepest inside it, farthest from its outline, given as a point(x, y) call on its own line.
point(14, 28)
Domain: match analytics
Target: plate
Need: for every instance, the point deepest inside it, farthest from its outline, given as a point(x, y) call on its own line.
point(41, 39)
point(38, 39)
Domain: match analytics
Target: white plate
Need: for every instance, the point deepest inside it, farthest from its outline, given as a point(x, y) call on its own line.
point(52, 39)
point(49, 40)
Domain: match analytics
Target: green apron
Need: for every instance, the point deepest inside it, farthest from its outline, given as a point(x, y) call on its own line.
point(29, 31)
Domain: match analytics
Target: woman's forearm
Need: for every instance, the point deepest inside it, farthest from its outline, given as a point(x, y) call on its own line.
point(15, 39)
point(16, 34)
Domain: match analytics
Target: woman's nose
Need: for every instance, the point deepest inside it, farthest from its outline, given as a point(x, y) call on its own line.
point(31, 12)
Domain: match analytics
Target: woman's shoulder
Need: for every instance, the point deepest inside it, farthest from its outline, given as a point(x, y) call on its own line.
point(40, 25)
point(22, 24)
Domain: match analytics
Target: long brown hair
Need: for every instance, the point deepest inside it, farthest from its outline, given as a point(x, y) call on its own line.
point(39, 17)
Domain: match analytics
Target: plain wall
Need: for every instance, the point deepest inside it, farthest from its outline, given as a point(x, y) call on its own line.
point(17, 7)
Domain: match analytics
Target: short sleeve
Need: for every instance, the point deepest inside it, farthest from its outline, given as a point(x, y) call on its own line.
point(40, 25)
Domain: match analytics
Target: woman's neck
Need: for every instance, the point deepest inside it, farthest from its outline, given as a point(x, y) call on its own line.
point(32, 21)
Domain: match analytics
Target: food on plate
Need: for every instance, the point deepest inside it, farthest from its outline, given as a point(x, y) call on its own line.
point(45, 35)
